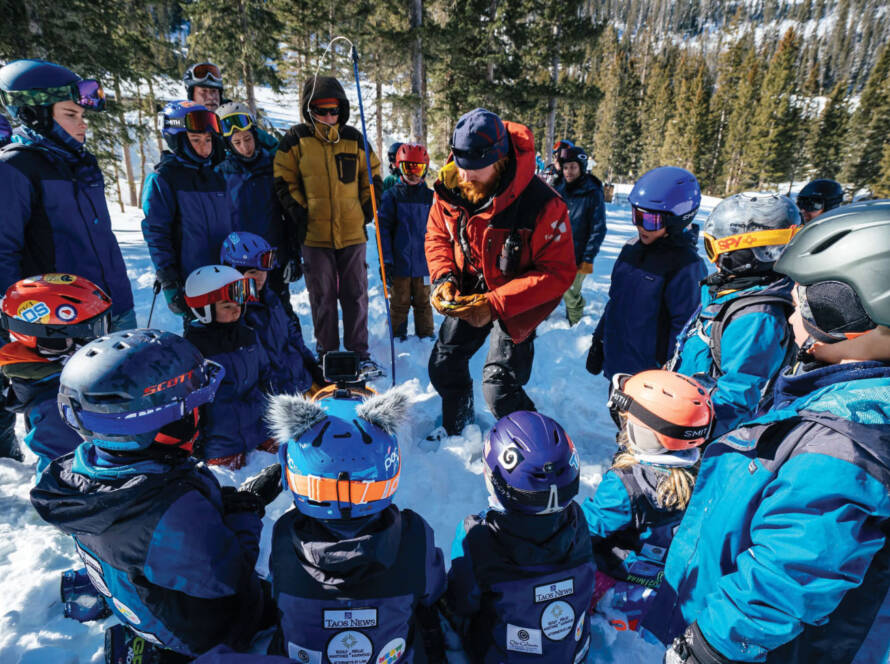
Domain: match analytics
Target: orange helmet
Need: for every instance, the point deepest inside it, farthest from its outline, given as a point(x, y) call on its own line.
point(666, 412)
point(415, 157)
point(50, 310)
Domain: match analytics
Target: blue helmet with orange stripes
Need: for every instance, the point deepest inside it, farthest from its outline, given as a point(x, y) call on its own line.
point(340, 458)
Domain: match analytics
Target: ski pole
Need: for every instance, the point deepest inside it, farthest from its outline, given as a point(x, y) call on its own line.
point(156, 289)
point(361, 110)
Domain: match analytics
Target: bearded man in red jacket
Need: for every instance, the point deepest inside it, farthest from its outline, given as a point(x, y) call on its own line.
point(500, 255)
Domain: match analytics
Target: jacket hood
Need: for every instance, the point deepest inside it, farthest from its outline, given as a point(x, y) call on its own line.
point(80, 493)
point(841, 389)
point(325, 87)
point(348, 553)
point(541, 538)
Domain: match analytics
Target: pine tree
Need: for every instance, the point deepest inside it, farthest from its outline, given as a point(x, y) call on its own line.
point(688, 136)
point(881, 187)
point(739, 170)
point(870, 126)
point(828, 135)
point(658, 108)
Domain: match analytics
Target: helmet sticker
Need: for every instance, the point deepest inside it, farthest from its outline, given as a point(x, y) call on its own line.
point(510, 458)
point(66, 312)
point(59, 278)
point(33, 311)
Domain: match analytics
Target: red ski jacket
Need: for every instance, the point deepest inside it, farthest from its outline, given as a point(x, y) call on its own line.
point(547, 258)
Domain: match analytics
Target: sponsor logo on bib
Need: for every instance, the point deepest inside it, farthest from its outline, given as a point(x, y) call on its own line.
point(125, 611)
point(352, 619)
point(557, 620)
point(551, 591)
point(392, 652)
point(350, 647)
point(524, 639)
point(303, 655)
point(579, 628)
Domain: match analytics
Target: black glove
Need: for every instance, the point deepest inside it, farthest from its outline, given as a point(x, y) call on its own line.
point(431, 634)
point(595, 356)
point(293, 271)
point(317, 374)
point(299, 218)
point(266, 484)
point(234, 500)
point(175, 297)
point(692, 648)
point(388, 268)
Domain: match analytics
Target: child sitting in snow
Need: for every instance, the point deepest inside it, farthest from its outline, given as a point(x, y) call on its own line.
point(293, 366)
point(48, 318)
point(522, 571)
point(233, 421)
point(403, 213)
point(355, 577)
point(632, 517)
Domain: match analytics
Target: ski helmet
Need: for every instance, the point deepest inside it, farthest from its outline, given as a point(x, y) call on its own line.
point(205, 75)
point(184, 116)
point(747, 232)
point(575, 154)
point(241, 249)
point(235, 116)
point(412, 159)
point(665, 197)
point(393, 151)
point(665, 411)
point(850, 244)
point(5, 131)
point(217, 283)
point(131, 389)
point(341, 459)
point(820, 195)
point(561, 145)
point(53, 312)
point(531, 465)
point(29, 88)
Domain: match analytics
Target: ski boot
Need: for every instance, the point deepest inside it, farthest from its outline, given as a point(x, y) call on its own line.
point(80, 599)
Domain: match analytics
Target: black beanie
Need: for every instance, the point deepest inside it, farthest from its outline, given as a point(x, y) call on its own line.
point(830, 309)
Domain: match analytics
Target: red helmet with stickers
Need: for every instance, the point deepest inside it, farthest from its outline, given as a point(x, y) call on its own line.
point(51, 310)
point(415, 157)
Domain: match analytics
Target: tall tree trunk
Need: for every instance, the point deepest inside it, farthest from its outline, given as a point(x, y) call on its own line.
point(141, 135)
point(246, 69)
point(489, 76)
point(551, 103)
point(125, 133)
point(117, 182)
point(152, 104)
point(418, 116)
point(378, 91)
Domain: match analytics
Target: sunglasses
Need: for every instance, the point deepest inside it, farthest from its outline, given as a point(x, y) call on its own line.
point(207, 72)
point(333, 111)
point(239, 292)
point(412, 168)
point(810, 204)
point(87, 93)
point(649, 220)
point(197, 121)
point(714, 247)
point(235, 122)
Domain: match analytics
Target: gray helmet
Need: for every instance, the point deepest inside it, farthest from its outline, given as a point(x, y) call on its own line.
point(850, 244)
point(749, 212)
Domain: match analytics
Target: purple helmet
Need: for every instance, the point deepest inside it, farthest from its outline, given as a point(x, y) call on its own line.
point(671, 191)
point(531, 465)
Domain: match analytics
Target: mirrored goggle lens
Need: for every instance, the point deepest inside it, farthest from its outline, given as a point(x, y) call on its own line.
point(202, 121)
point(238, 292)
point(808, 204)
point(268, 260)
point(412, 168)
point(237, 122)
point(207, 71)
point(650, 221)
point(90, 94)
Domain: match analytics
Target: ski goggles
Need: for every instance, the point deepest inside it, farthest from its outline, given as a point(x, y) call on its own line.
point(109, 425)
point(206, 71)
point(714, 247)
point(267, 260)
point(649, 220)
point(810, 203)
point(196, 121)
point(87, 93)
point(235, 122)
point(239, 292)
point(95, 327)
point(412, 168)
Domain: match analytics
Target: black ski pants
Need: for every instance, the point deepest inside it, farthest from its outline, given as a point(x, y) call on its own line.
point(507, 369)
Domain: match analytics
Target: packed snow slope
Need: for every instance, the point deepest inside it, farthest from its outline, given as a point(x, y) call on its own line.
point(444, 486)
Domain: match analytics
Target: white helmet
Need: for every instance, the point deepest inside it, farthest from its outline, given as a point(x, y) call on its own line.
point(216, 283)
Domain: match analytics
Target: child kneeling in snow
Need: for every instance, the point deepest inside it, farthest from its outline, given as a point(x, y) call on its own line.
point(355, 578)
point(217, 295)
point(632, 517)
point(522, 571)
point(293, 367)
point(48, 318)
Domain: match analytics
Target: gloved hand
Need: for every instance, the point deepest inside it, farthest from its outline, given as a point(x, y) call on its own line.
point(443, 297)
point(585, 268)
point(387, 269)
point(234, 501)
point(595, 356)
point(175, 297)
point(266, 484)
point(693, 648)
point(317, 374)
point(293, 271)
point(474, 309)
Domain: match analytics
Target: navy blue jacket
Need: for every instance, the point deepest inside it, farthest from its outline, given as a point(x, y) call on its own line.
point(233, 421)
point(55, 218)
point(403, 212)
point(155, 541)
point(654, 291)
point(187, 216)
point(351, 590)
point(254, 206)
point(587, 212)
point(523, 585)
point(784, 552)
point(282, 339)
point(753, 350)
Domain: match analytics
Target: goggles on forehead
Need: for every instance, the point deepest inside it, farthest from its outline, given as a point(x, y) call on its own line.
point(412, 168)
point(714, 247)
point(239, 292)
point(87, 93)
point(235, 122)
point(206, 72)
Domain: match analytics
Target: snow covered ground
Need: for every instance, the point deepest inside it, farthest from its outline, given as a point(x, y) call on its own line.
point(443, 486)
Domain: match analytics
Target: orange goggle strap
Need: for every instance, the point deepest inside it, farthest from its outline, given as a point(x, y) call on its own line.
point(342, 491)
point(767, 238)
